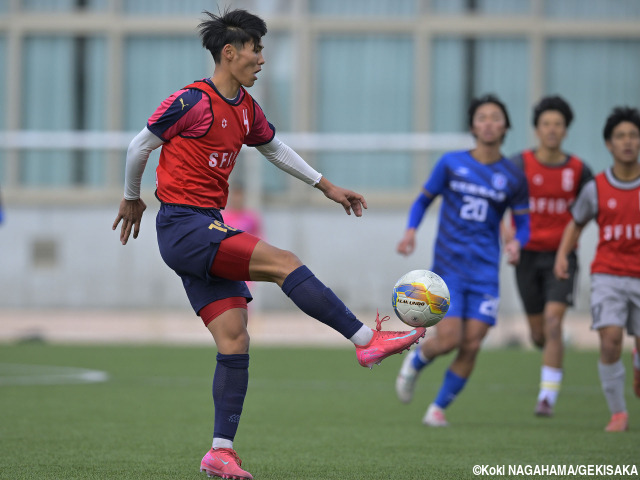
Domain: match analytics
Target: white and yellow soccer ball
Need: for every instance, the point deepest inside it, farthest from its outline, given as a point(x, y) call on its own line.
point(420, 298)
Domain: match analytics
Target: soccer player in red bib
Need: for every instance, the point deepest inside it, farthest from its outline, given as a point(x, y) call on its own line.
point(554, 178)
point(201, 129)
point(612, 198)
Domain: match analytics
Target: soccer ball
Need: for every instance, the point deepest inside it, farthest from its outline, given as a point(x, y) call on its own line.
point(420, 298)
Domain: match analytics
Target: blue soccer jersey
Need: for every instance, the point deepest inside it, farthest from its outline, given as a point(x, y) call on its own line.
point(474, 199)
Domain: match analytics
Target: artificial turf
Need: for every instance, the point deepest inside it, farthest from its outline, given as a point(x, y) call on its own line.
point(311, 413)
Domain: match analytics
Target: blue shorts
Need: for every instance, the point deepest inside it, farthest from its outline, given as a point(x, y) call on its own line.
point(476, 299)
point(188, 238)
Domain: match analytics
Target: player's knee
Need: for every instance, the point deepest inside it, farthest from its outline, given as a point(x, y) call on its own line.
point(467, 354)
point(537, 338)
point(472, 346)
point(290, 261)
point(553, 327)
point(449, 343)
point(235, 343)
point(610, 349)
point(285, 263)
point(271, 264)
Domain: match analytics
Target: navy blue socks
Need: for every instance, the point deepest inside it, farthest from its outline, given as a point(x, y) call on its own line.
point(229, 389)
point(316, 300)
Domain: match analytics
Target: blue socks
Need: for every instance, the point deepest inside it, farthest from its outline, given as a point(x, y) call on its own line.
point(316, 300)
point(451, 387)
point(418, 362)
point(230, 383)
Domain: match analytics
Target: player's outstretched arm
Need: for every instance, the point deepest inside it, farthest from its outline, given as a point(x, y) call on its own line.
point(570, 237)
point(283, 157)
point(348, 199)
point(130, 213)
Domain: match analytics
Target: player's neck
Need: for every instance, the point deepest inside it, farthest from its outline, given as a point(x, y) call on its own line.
point(550, 156)
point(626, 171)
point(486, 154)
point(226, 85)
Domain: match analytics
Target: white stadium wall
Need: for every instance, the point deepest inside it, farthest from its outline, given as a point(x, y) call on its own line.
point(70, 258)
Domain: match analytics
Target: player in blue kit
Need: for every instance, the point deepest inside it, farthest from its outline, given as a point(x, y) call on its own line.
point(477, 187)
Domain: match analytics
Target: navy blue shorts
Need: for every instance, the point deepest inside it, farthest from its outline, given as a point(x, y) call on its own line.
point(188, 238)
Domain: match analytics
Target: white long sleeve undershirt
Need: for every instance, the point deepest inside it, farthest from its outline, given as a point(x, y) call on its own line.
point(286, 159)
point(137, 155)
point(281, 155)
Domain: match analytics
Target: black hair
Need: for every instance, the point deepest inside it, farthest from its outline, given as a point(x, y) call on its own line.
point(619, 115)
point(555, 103)
point(235, 27)
point(488, 98)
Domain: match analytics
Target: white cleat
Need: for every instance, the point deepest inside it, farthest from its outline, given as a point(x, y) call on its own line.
point(406, 380)
point(435, 417)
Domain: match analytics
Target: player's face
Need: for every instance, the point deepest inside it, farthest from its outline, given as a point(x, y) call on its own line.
point(246, 63)
point(489, 125)
point(624, 144)
point(551, 129)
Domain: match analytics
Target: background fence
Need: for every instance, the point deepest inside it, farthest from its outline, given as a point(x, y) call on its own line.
point(369, 92)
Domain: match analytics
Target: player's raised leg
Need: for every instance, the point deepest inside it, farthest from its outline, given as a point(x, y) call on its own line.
point(271, 264)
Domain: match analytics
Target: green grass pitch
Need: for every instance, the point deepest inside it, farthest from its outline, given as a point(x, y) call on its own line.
point(310, 413)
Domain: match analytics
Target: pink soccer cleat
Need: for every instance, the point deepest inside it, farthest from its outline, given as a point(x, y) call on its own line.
point(223, 463)
point(385, 344)
point(619, 422)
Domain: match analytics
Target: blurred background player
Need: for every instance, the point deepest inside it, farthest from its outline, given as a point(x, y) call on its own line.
point(476, 186)
point(612, 198)
point(554, 179)
point(238, 215)
point(201, 129)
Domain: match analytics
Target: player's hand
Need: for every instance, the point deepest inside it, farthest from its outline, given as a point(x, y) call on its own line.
point(512, 251)
point(408, 243)
point(348, 199)
point(131, 214)
point(561, 267)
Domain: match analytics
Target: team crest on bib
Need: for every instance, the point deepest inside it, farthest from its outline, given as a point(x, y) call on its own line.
point(612, 204)
point(498, 181)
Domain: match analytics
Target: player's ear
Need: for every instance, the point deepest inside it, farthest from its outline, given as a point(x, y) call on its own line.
point(228, 52)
